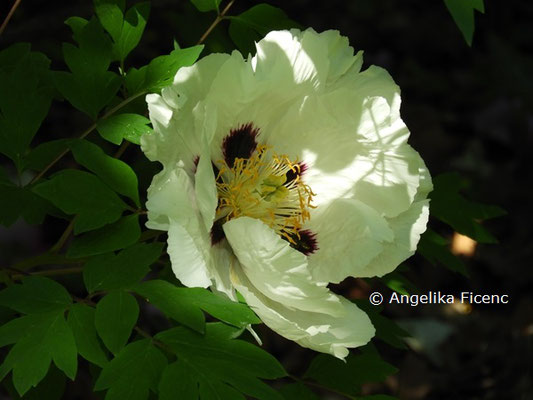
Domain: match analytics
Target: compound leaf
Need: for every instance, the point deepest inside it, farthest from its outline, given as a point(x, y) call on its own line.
point(462, 12)
point(89, 86)
point(123, 126)
point(206, 5)
point(115, 317)
point(36, 294)
point(253, 24)
point(48, 338)
point(133, 372)
point(81, 320)
point(435, 248)
point(123, 233)
point(122, 271)
point(160, 71)
point(463, 215)
point(218, 364)
point(185, 304)
point(115, 173)
point(347, 377)
point(25, 100)
point(83, 194)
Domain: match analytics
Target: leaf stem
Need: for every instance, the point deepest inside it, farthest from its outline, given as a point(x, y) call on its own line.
point(50, 272)
point(84, 134)
point(65, 235)
point(9, 15)
point(219, 18)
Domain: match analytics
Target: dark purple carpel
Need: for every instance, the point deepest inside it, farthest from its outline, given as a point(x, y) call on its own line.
point(239, 143)
point(217, 233)
point(306, 243)
point(292, 175)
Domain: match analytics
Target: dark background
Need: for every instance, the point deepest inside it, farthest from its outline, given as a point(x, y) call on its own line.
point(468, 109)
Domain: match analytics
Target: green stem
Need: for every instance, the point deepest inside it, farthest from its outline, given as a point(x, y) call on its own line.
point(9, 15)
point(62, 240)
point(219, 18)
point(49, 272)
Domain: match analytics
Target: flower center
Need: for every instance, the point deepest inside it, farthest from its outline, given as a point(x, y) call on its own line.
point(268, 187)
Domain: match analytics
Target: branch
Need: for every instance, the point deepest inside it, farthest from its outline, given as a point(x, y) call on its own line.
point(9, 15)
point(84, 134)
point(219, 18)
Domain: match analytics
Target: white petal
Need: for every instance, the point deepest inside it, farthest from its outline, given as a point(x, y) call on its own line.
point(189, 260)
point(170, 207)
point(195, 81)
point(426, 185)
point(170, 195)
point(276, 269)
point(407, 228)
point(323, 332)
point(349, 235)
point(389, 179)
point(205, 183)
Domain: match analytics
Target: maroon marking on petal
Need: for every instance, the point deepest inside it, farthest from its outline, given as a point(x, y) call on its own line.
point(306, 243)
point(216, 171)
point(195, 161)
point(217, 233)
point(240, 143)
point(292, 175)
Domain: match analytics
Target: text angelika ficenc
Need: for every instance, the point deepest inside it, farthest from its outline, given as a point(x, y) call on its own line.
point(441, 298)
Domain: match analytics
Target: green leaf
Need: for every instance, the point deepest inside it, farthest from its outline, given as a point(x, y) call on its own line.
point(386, 329)
point(123, 126)
point(178, 375)
point(462, 12)
point(463, 215)
point(36, 294)
point(45, 153)
point(83, 194)
point(253, 24)
point(81, 320)
point(127, 31)
point(173, 302)
point(18, 202)
point(220, 365)
point(185, 304)
point(90, 86)
point(298, 391)
point(206, 5)
point(161, 70)
point(132, 29)
point(435, 248)
point(115, 173)
point(49, 338)
point(135, 370)
point(399, 283)
point(76, 24)
point(52, 387)
point(347, 377)
point(111, 16)
point(122, 271)
point(123, 233)
point(25, 100)
point(116, 315)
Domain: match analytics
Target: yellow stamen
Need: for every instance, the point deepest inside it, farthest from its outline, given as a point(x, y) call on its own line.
point(257, 187)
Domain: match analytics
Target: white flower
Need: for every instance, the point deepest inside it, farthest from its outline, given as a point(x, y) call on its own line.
point(285, 172)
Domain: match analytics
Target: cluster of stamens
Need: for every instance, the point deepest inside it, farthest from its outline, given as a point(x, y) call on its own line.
point(265, 186)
